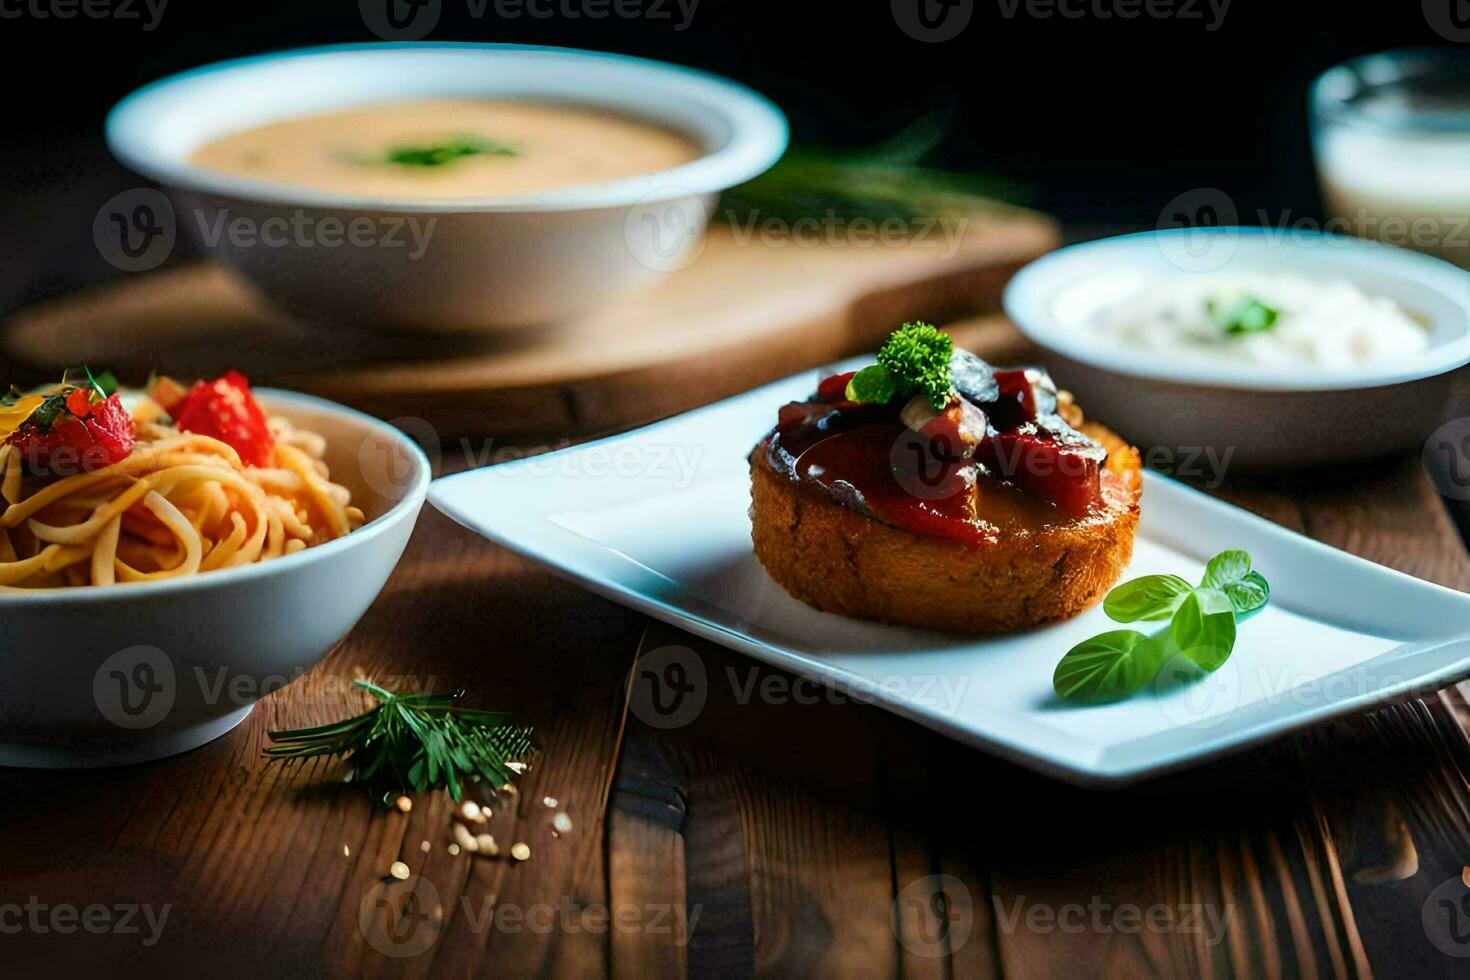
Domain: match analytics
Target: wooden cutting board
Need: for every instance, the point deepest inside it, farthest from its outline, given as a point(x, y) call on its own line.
point(744, 313)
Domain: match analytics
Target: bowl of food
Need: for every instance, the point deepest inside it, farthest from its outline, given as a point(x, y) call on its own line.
point(169, 557)
point(1251, 349)
point(445, 186)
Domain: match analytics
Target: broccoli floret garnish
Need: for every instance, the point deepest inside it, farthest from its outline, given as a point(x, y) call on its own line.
point(915, 359)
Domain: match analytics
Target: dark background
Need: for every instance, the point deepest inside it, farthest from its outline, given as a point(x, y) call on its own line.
point(1107, 119)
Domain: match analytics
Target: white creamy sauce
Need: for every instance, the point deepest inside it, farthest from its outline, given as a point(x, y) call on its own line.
point(1322, 322)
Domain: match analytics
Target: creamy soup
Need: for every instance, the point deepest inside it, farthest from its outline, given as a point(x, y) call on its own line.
point(449, 148)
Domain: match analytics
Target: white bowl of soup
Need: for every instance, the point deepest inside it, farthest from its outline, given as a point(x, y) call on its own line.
point(445, 186)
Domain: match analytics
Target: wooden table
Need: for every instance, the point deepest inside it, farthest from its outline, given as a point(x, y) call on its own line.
point(777, 832)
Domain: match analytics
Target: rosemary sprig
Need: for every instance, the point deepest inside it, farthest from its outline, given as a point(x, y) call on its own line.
point(414, 742)
point(885, 181)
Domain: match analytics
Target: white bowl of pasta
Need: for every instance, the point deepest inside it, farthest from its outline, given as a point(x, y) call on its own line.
point(183, 583)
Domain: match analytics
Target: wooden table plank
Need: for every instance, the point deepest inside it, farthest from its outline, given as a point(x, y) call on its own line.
point(791, 828)
point(715, 862)
point(251, 855)
point(819, 876)
point(1402, 811)
point(647, 814)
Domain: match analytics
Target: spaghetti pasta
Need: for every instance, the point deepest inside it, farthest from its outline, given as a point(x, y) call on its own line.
point(179, 503)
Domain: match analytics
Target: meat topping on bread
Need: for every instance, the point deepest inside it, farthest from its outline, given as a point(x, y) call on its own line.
point(969, 453)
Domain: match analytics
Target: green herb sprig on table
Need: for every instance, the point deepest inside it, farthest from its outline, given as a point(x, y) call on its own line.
point(915, 358)
point(1202, 622)
point(879, 183)
point(414, 742)
point(1246, 314)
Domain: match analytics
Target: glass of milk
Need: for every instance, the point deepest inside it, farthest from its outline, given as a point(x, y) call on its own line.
point(1391, 134)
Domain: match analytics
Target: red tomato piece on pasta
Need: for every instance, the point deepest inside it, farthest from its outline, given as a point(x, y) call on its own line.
point(85, 437)
point(224, 409)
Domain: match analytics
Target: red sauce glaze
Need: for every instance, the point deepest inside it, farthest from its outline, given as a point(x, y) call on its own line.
point(1021, 477)
point(858, 468)
point(1017, 402)
point(1043, 467)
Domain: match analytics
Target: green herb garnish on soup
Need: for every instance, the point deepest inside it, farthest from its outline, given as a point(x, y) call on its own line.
point(1246, 314)
point(438, 154)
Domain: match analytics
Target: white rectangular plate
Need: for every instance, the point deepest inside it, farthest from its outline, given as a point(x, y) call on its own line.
point(657, 519)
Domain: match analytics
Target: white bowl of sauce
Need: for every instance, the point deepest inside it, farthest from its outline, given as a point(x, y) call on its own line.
point(1259, 349)
point(445, 186)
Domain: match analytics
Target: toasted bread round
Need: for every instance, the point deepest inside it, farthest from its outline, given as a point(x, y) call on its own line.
point(841, 561)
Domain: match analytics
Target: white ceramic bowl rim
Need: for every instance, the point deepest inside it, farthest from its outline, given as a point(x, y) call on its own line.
point(414, 493)
point(148, 130)
point(1031, 295)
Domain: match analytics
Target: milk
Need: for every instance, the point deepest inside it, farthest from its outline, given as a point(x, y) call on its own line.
point(1410, 189)
point(1391, 133)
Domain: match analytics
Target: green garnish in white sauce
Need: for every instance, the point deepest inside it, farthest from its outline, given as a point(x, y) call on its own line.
point(1244, 315)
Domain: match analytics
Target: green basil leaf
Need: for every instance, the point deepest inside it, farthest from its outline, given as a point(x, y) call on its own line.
point(1108, 667)
point(1204, 627)
point(1249, 594)
point(1147, 598)
point(1230, 572)
point(1226, 567)
point(48, 411)
point(872, 384)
